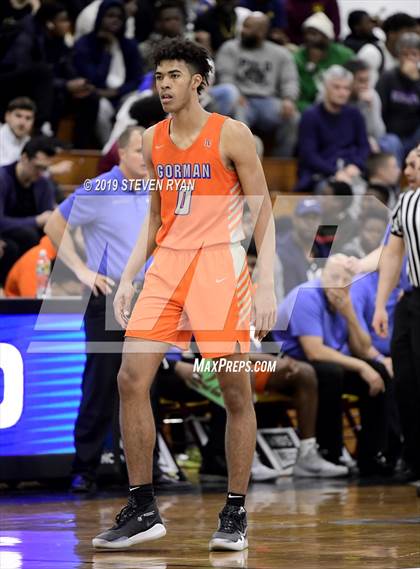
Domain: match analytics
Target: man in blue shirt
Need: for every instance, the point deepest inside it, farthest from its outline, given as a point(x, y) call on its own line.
point(110, 213)
point(317, 323)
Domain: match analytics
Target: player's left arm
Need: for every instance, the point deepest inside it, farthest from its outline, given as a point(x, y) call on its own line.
point(238, 148)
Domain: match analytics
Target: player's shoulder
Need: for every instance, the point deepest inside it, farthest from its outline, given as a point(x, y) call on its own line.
point(233, 130)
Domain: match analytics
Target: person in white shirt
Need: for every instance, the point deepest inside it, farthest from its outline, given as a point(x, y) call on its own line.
point(382, 56)
point(16, 130)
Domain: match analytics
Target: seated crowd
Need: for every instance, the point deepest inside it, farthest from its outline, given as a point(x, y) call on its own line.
point(346, 108)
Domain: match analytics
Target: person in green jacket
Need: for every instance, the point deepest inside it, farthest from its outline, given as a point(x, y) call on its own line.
point(318, 53)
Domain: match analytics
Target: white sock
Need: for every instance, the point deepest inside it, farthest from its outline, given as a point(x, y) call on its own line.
point(306, 445)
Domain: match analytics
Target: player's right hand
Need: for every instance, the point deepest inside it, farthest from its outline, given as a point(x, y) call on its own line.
point(122, 303)
point(380, 322)
point(373, 379)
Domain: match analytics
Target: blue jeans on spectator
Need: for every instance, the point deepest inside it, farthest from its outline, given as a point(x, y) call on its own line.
point(264, 115)
point(226, 97)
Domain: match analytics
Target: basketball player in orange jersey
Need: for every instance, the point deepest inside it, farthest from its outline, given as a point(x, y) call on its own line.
point(198, 283)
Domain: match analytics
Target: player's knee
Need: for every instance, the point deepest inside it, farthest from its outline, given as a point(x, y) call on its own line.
point(128, 380)
point(237, 398)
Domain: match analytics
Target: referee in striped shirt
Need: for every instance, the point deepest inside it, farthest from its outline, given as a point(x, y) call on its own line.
point(404, 239)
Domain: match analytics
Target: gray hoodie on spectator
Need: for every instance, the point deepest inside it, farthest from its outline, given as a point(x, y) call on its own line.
point(267, 71)
point(372, 113)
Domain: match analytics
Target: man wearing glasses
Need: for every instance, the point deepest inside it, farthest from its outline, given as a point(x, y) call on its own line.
point(26, 199)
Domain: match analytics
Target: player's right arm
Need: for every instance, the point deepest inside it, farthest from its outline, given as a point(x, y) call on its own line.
point(145, 244)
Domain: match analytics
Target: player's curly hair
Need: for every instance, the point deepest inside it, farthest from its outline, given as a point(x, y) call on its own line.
point(194, 55)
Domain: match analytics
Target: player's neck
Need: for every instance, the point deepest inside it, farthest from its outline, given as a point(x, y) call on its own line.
point(190, 119)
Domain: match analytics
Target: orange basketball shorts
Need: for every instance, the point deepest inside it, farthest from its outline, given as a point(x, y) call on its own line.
point(205, 293)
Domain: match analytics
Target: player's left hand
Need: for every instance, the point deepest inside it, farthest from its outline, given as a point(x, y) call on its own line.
point(264, 310)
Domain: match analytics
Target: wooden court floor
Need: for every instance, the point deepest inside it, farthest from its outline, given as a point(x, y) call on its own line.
point(292, 526)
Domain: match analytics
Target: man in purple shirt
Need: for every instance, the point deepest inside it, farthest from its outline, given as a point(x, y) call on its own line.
point(26, 199)
point(332, 135)
point(317, 323)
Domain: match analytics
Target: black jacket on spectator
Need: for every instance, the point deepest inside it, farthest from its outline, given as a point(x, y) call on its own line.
point(92, 60)
point(38, 198)
point(400, 98)
point(356, 43)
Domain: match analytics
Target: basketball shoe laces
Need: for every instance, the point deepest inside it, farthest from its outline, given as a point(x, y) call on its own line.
point(127, 512)
point(231, 520)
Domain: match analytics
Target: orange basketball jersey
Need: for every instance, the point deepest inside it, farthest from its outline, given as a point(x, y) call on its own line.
point(201, 200)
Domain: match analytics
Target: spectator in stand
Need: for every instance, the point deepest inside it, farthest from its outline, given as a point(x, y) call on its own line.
point(318, 53)
point(22, 71)
point(109, 61)
point(219, 22)
point(16, 130)
point(169, 23)
point(85, 22)
point(300, 10)
point(296, 248)
point(317, 323)
point(26, 197)
point(399, 90)
point(144, 19)
point(15, 133)
point(266, 77)
point(72, 94)
point(374, 221)
point(382, 56)
point(275, 10)
point(361, 30)
point(383, 174)
point(332, 135)
point(367, 100)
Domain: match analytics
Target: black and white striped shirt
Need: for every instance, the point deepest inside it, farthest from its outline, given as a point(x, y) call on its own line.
point(406, 224)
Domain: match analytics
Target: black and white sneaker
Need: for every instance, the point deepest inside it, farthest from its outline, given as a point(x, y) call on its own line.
point(132, 526)
point(231, 534)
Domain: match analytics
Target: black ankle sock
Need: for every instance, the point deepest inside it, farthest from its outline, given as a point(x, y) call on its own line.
point(142, 494)
point(234, 499)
